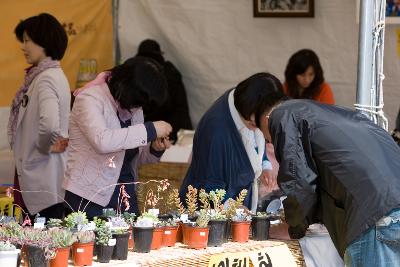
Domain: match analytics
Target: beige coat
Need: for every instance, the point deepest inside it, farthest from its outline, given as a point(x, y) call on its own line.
point(97, 145)
point(40, 123)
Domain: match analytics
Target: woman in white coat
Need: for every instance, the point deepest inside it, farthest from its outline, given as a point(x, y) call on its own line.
point(38, 123)
point(108, 136)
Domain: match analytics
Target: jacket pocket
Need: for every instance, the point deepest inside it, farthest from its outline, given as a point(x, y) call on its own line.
point(389, 234)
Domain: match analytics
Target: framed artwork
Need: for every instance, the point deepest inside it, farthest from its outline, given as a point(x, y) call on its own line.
point(392, 12)
point(283, 8)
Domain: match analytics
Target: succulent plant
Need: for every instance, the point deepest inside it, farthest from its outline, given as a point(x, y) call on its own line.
point(61, 238)
point(177, 202)
point(40, 239)
point(169, 223)
point(103, 235)
point(129, 218)
point(241, 217)
point(232, 205)
point(6, 246)
point(85, 236)
point(54, 223)
point(191, 200)
point(146, 220)
point(203, 197)
point(203, 219)
point(75, 218)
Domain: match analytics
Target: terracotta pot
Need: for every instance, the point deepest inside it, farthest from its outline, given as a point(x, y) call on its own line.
point(197, 237)
point(82, 253)
point(169, 236)
point(240, 231)
point(61, 258)
point(179, 233)
point(131, 241)
point(156, 241)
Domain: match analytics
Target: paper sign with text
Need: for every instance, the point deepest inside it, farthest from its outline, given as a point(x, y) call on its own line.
point(276, 256)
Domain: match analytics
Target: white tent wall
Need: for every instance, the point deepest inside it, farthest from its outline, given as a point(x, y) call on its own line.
point(216, 44)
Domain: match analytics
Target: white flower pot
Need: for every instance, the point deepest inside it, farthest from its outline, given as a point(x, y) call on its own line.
point(9, 257)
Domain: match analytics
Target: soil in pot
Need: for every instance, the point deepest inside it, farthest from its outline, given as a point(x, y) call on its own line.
point(143, 237)
point(104, 253)
point(156, 241)
point(169, 236)
point(260, 228)
point(36, 257)
point(216, 233)
point(61, 258)
point(121, 247)
point(240, 231)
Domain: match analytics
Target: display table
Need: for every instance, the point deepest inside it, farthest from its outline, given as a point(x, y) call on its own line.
point(182, 256)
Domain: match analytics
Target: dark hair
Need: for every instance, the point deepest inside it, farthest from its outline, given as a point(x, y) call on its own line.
point(151, 48)
point(298, 64)
point(138, 83)
point(45, 31)
point(256, 93)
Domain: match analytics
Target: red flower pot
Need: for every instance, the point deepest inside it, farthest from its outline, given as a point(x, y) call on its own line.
point(61, 258)
point(240, 231)
point(169, 236)
point(156, 242)
point(197, 237)
point(82, 253)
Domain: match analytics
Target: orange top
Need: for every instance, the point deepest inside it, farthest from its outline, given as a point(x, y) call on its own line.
point(325, 96)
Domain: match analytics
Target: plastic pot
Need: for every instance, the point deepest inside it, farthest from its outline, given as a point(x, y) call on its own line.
point(143, 237)
point(121, 247)
point(228, 231)
point(260, 228)
point(216, 233)
point(169, 236)
point(61, 258)
point(82, 253)
point(36, 257)
point(240, 231)
point(197, 237)
point(156, 241)
point(9, 257)
point(104, 253)
point(131, 243)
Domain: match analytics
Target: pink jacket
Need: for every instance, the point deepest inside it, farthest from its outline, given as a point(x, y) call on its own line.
point(97, 145)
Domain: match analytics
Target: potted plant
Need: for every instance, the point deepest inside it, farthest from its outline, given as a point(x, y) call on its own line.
point(62, 240)
point(104, 242)
point(241, 227)
point(8, 254)
point(176, 204)
point(191, 204)
point(39, 247)
point(260, 226)
point(14, 233)
point(170, 233)
point(130, 220)
point(143, 232)
point(217, 217)
point(82, 250)
point(230, 208)
point(54, 223)
point(197, 234)
point(120, 231)
point(76, 220)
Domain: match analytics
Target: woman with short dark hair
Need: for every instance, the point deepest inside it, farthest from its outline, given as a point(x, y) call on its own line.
point(109, 139)
point(38, 123)
point(304, 78)
point(229, 150)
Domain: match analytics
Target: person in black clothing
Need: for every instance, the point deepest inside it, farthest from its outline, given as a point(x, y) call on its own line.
point(175, 110)
point(338, 168)
point(396, 131)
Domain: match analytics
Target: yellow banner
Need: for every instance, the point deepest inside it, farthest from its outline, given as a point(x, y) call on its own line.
point(89, 27)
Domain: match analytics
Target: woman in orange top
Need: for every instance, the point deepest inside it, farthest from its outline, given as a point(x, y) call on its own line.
point(305, 78)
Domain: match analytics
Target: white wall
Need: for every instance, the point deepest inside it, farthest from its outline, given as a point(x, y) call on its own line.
point(216, 44)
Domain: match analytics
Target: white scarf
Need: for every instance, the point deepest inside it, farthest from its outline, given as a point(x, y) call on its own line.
point(251, 140)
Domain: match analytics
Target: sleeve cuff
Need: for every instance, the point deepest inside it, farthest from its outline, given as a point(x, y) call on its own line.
point(151, 131)
point(156, 153)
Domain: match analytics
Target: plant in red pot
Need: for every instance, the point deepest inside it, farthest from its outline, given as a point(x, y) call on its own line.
point(197, 234)
point(241, 227)
point(82, 250)
point(62, 240)
point(170, 232)
point(230, 209)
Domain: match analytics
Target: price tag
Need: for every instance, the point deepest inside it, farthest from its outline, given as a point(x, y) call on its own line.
point(202, 233)
point(167, 232)
point(38, 225)
point(112, 242)
point(80, 250)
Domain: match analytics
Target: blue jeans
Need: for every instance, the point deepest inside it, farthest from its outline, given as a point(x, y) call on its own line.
point(379, 246)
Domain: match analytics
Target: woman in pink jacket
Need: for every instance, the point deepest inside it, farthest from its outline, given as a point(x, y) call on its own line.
point(108, 138)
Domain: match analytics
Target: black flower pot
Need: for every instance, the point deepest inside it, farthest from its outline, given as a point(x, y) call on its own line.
point(36, 257)
point(260, 228)
point(143, 237)
point(104, 253)
point(228, 231)
point(121, 247)
point(216, 233)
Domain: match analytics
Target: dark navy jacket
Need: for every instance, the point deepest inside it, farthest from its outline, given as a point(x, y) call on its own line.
point(219, 158)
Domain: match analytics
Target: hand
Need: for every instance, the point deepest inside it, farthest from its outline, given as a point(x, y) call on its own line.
point(161, 144)
point(163, 128)
point(60, 145)
point(268, 179)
